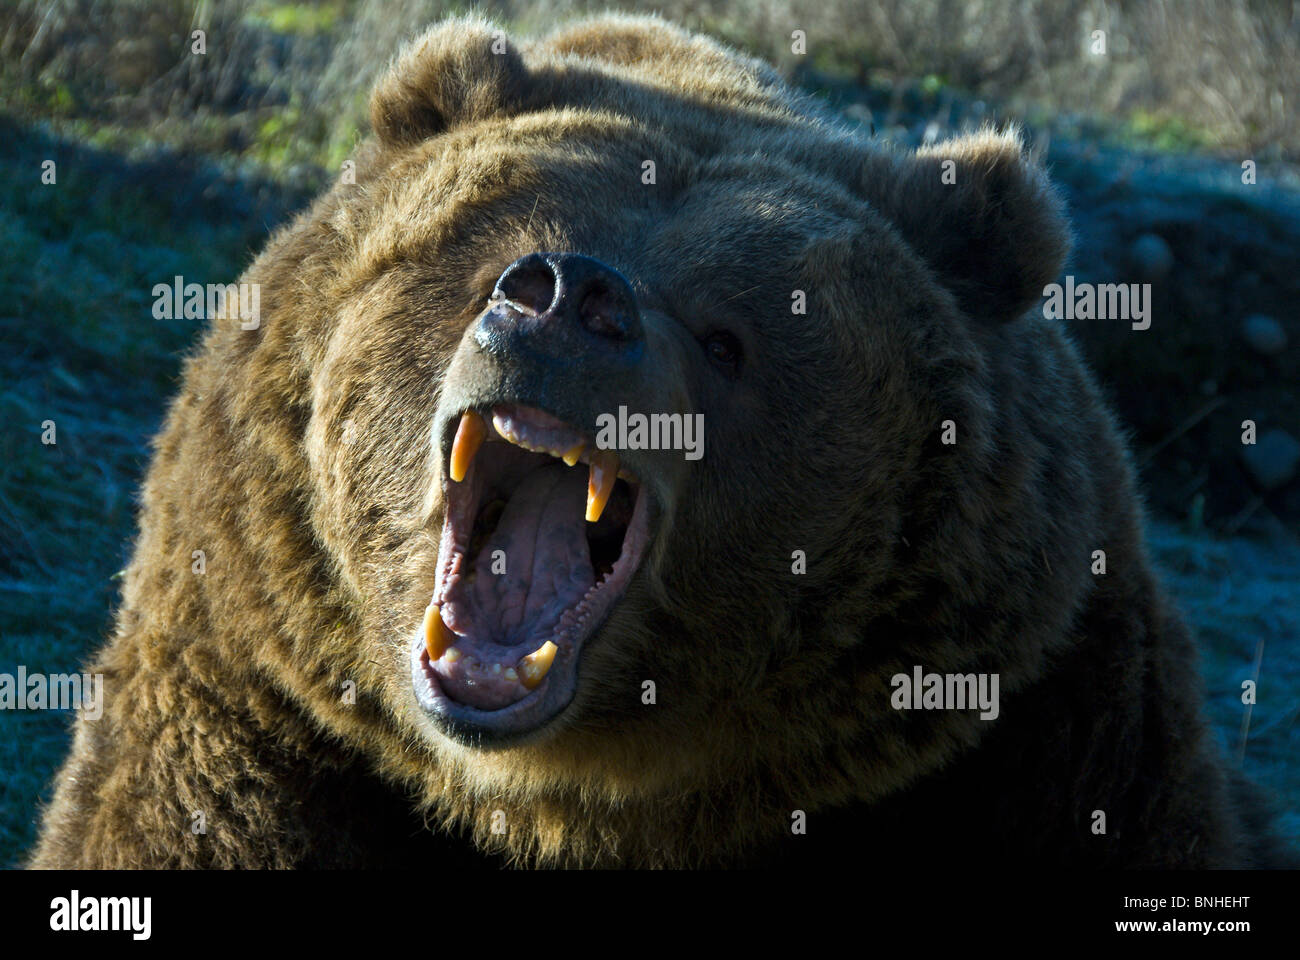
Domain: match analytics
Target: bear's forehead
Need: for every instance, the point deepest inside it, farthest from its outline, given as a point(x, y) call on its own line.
point(602, 175)
point(727, 232)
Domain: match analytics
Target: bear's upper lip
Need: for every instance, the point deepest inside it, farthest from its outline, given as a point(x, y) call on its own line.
point(525, 574)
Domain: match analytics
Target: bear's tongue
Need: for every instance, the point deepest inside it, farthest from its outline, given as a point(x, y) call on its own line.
point(534, 567)
point(543, 542)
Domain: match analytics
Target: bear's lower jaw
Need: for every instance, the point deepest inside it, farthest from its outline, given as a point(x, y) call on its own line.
point(526, 575)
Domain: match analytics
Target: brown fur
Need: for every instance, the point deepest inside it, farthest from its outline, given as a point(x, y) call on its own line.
point(225, 689)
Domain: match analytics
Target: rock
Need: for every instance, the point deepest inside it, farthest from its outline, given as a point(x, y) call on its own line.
point(1273, 458)
point(1151, 256)
point(1264, 333)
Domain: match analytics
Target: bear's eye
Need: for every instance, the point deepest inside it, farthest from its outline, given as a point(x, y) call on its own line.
point(723, 350)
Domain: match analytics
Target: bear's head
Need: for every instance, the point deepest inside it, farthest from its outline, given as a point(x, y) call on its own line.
point(619, 376)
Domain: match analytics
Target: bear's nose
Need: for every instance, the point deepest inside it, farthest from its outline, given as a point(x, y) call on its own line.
point(561, 303)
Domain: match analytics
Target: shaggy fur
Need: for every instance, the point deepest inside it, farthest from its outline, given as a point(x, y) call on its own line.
point(297, 457)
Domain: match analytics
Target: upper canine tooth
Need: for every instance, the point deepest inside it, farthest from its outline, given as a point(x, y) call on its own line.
point(600, 482)
point(437, 635)
point(571, 457)
point(469, 437)
point(532, 668)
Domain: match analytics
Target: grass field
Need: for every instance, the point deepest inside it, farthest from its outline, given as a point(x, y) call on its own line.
point(83, 350)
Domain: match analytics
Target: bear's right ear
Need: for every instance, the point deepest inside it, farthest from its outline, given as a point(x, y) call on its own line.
point(983, 215)
point(461, 70)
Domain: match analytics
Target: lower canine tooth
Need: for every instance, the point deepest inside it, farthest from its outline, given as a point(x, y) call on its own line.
point(532, 668)
point(469, 437)
point(600, 482)
point(437, 635)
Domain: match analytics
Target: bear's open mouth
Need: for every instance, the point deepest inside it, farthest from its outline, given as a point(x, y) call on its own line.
point(541, 536)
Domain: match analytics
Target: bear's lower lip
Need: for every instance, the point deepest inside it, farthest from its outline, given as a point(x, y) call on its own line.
point(525, 575)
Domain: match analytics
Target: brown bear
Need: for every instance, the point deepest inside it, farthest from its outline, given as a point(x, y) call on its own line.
point(606, 464)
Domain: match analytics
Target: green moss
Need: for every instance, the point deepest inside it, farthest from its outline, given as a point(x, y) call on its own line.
point(1165, 132)
point(300, 19)
point(932, 84)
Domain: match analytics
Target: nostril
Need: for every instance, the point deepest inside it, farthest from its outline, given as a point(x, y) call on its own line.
point(568, 298)
point(605, 313)
point(528, 284)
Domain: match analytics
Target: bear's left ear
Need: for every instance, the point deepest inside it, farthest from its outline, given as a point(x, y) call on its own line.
point(984, 217)
point(460, 70)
